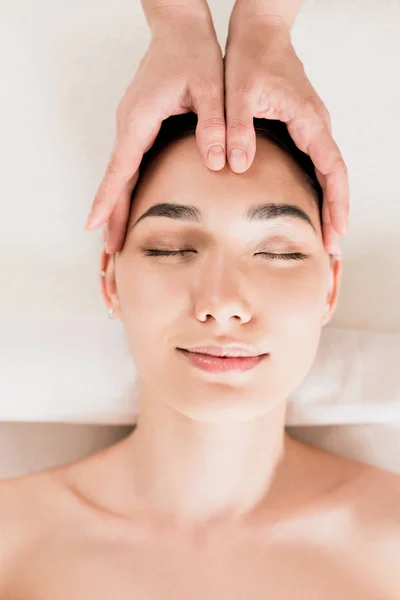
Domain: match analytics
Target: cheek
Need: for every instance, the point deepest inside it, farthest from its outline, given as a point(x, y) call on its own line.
point(298, 296)
point(148, 293)
point(294, 323)
point(294, 304)
point(150, 303)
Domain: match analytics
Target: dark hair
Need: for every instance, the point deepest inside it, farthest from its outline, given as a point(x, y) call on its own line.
point(180, 126)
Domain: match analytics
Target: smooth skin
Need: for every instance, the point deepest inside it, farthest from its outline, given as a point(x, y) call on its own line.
point(208, 497)
point(260, 76)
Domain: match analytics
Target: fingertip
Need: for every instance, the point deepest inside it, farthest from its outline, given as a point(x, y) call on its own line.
point(216, 157)
point(340, 222)
point(94, 222)
point(89, 224)
point(335, 247)
point(238, 160)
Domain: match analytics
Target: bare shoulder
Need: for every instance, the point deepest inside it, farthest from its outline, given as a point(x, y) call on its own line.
point(23, 499)
point(13, 520)
point(382, 488)
point(378, 518)
point(27, 511)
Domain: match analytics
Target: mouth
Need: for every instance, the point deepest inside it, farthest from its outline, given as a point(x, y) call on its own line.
point(221, 364)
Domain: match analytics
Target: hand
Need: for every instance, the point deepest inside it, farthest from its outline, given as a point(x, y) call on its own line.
point(265, 78)
point(182, 71)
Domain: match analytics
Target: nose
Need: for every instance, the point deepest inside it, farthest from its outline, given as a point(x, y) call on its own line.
point(222, 295)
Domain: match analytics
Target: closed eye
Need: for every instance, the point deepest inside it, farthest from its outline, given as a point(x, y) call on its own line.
point(166, 252)
point(271, 255)
point(285, 256)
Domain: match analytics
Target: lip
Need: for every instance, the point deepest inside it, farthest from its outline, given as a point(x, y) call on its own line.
point(218, 364)
point(228, 350)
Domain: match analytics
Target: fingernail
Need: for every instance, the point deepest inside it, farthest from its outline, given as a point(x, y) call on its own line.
point(216, 156)
point(93, 222)
point(238, 159)
point(88, 221)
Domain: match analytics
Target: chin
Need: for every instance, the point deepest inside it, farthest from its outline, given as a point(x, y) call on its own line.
point(219, 403)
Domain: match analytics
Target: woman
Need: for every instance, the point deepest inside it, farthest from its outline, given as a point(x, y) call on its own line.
point(208, 496)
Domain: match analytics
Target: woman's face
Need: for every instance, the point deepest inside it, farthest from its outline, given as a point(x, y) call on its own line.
point(222, 289)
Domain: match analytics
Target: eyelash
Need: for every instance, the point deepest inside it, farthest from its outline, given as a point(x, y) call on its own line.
point(285, 256)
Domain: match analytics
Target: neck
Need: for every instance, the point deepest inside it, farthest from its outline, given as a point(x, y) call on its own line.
point(196, 472)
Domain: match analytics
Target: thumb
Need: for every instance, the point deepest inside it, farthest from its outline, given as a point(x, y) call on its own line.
point(210, 130)
point(241, 136)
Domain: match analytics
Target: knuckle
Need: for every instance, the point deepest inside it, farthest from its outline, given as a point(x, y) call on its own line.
point(342, 165)
point(112, 167)
point(214, 124)
point(311, 113)
point(325, 112)
point(281, 98)
point(322, 111)
point(237, 127)
point(304, 106)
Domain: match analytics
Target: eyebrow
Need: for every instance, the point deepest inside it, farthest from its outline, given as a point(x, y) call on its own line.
point(258, 212)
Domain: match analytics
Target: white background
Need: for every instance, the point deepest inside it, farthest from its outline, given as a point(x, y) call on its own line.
point(65, 67)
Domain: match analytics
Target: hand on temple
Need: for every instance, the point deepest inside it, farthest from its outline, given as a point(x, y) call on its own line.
point(265, 78)
point(182, 71)
point(260, 76)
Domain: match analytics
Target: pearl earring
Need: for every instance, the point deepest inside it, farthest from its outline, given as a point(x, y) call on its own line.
point(111, 313)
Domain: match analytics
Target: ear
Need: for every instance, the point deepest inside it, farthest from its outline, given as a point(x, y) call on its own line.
point(335, 276)
point(108, 283)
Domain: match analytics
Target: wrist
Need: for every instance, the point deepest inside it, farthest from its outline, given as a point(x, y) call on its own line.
point(273, 15)
point(270, 30)
point(245, 20)
point(190, 16)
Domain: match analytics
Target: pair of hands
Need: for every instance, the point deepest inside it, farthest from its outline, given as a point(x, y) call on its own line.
point(260, 76)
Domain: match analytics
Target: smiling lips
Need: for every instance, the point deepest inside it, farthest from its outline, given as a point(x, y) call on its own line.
point(216, 363)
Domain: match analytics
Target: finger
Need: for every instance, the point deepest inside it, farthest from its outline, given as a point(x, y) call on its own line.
point(324, 114)
point(331, 238)
point(210, 130)
point(117, 223)
point(122, 168)
point(328, 120)
point(311, 135)
point(240, 133)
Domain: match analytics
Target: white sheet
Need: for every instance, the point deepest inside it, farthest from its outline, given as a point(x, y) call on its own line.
point(79, 370)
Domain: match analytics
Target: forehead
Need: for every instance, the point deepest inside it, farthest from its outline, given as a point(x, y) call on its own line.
point(178, 174)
